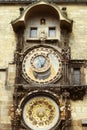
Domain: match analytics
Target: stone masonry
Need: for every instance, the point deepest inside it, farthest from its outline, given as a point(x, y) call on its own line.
point(78, 44)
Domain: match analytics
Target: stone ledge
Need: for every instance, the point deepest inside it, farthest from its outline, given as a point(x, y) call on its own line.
point(30, 1)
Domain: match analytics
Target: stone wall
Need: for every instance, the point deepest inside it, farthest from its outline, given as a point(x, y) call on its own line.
point(78, 40)
point(7, 75)
point(7, 36)
point(78, 44)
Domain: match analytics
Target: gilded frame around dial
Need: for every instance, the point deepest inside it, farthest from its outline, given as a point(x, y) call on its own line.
point(40, 110)
point(42, 65)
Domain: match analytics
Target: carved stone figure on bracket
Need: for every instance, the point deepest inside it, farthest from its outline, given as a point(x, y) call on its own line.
point(64, 11)
point(42, 21)
point(18, 56)
point(18, 112)
point(11, 112)
point(43, 35)
point(66, 54)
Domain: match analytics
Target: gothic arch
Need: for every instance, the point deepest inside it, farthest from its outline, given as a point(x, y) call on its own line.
point(21, 21)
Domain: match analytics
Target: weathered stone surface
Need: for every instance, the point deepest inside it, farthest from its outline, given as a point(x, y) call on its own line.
point(79, 109)
point(7, 36)
point(6, 98)
point(79, 34)
point(78, 44)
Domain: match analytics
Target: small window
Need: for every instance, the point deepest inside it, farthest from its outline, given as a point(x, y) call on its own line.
point(33, 32)
point(52, 32)
point(76, 76)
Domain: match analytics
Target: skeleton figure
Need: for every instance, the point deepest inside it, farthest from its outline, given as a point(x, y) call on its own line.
point(66, 54)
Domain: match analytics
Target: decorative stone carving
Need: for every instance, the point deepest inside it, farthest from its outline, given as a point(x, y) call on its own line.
point(66, 54)
point(11, 112)
point(43, 35)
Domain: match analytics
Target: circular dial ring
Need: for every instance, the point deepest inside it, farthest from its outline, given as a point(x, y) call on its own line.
point(40, 62)
point(47, 59)
point(40, 111)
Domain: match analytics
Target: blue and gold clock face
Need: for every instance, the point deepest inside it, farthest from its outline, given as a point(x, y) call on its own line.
point(40, 62)
point(42, 65)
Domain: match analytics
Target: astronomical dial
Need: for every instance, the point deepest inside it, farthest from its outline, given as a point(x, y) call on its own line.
point(42, 65)
point(40, 113)
point(40, 62)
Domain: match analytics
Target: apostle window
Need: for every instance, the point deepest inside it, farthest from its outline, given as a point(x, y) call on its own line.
point(33, 32)
point(52, 31)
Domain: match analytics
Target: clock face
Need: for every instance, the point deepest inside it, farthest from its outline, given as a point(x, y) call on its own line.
point(40, 113)
point(42, 65)
point(40, 62)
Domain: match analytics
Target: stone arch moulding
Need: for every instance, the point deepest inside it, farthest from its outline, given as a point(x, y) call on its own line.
point(20, 23)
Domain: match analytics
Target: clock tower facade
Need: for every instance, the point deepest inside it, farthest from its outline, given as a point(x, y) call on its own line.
point(43, 68)
point(41, 100)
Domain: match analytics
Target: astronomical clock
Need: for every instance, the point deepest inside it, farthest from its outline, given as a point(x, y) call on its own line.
point(40, 100)
point(42, 65)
